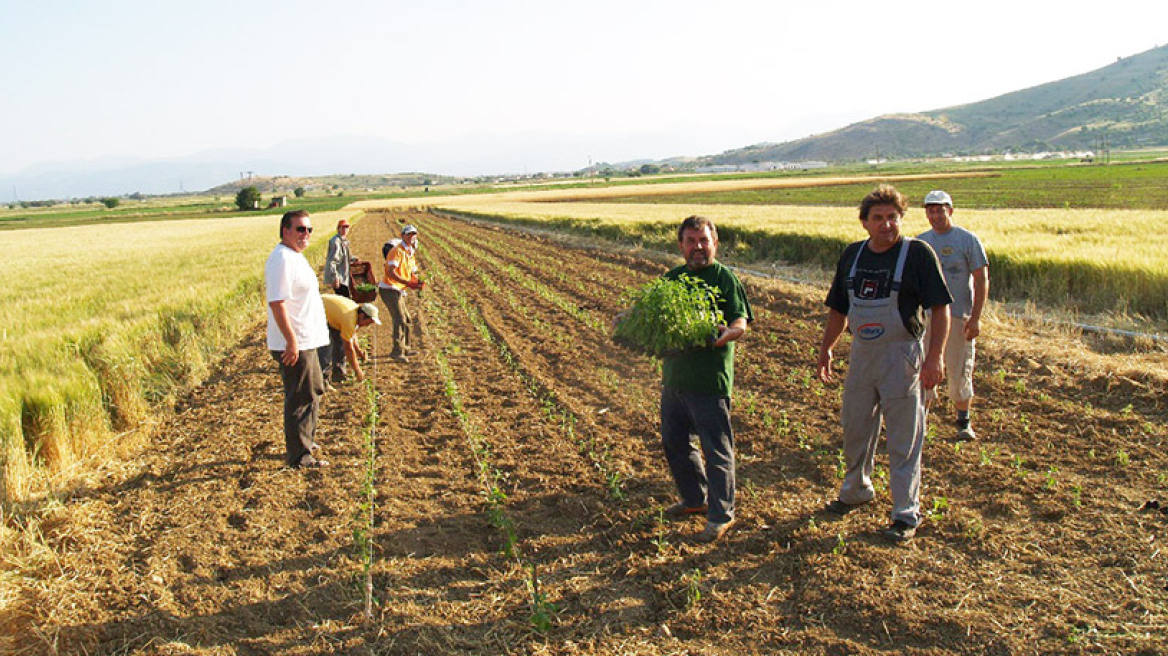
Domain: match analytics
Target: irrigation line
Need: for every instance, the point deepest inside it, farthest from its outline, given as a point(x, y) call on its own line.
point(1022, 316)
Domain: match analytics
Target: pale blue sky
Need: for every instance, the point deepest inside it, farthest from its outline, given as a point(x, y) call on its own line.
point(154, 78)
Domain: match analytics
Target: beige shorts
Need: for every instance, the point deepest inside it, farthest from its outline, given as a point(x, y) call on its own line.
point(959, 356)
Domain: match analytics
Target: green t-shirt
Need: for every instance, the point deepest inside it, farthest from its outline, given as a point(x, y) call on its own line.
point(709, 370)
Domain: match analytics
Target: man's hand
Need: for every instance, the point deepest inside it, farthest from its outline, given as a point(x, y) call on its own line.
point(932, 372)
point(291, 353)
point(727, 334)
point(972, 329)
point(824, 366)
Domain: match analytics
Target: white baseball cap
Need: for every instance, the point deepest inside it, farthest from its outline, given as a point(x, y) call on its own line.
point(938, 197)
point(370, 311)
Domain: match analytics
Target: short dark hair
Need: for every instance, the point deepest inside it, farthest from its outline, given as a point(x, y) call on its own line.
point(286, 220)
point(696, 222)
point(884, 194)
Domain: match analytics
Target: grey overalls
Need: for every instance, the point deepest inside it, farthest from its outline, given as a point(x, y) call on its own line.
point(883, 380)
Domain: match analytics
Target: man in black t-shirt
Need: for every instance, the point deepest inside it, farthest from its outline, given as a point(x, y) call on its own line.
point(881, 288)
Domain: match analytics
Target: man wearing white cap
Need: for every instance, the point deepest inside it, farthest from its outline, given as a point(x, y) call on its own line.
point(401, 274)
point(337, 261)
point(964, 263)
point(344, 318)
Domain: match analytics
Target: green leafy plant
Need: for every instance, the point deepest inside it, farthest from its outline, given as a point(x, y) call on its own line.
point(365, 287)
point(542, 611)
point(670, 316)
point(692, 581)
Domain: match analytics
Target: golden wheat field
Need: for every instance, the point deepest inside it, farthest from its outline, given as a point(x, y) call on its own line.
point(1085, 260)
point(98, 323)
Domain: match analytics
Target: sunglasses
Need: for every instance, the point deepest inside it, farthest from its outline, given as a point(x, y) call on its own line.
point(307, 229)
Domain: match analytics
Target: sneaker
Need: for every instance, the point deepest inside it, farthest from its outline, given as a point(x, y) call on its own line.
point(900, 531)
point(680, 510)
point(400, 357)
point(966, 433)
point(840, 508)
point(713, 531)
point(329, 387)
point(411, 352)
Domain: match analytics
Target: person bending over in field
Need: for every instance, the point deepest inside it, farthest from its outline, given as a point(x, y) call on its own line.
point(296, 328)
point(881, 287)
point(344, 318)
point(401, 273)
point(696, 389)
point(966, 269)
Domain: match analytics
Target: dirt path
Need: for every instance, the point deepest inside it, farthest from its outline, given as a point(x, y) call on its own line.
point(518, 452)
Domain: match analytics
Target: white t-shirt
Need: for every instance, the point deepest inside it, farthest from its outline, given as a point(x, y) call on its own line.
point(960, 253)
point(289, 277)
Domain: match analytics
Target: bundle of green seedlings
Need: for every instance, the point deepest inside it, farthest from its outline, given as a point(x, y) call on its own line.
point(668, 317)
point(365, 287)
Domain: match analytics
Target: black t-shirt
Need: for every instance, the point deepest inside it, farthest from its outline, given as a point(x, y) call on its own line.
point(922, 285)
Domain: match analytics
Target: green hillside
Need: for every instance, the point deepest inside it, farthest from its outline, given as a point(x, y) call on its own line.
point(1123, 105)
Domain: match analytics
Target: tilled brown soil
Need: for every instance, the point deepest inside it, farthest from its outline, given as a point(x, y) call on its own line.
point(1035, 540)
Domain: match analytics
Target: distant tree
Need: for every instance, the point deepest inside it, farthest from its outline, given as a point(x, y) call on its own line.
point(247, 198)
point(299, 192)
point(137, 195)
point(110, 202)
point(650, 169)
point(427, 182)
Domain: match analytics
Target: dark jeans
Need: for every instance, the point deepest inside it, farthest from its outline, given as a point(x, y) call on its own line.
point(684, 416)
point(332, 357)
point(343, 290)
point(303, 387)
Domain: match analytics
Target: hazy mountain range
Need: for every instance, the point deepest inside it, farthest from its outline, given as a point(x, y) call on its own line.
point(1122, 105)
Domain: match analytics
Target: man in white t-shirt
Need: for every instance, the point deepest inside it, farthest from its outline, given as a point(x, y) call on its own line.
point(964, 263)
point(296, 328)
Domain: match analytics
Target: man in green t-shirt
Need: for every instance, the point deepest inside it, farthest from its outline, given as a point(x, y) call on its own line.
point(696, 389)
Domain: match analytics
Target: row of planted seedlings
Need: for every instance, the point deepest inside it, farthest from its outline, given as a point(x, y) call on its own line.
point(554, 410)
point(538, 288)
point(608, 276)
point(550, 265)
point(588, 446)
point(691, 579)
point(560, 302)
point(493, 481)
point(779, 422)
point(596, 453)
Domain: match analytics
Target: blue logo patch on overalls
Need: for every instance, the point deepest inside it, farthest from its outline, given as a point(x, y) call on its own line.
point(870, 331)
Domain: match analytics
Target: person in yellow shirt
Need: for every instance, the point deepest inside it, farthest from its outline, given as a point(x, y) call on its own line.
point(344, 318)
point(401, 273)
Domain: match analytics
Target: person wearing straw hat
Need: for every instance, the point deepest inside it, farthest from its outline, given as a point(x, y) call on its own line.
point(401, 274)
point(336, 263)
point(344, 318)
point(966, 269)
